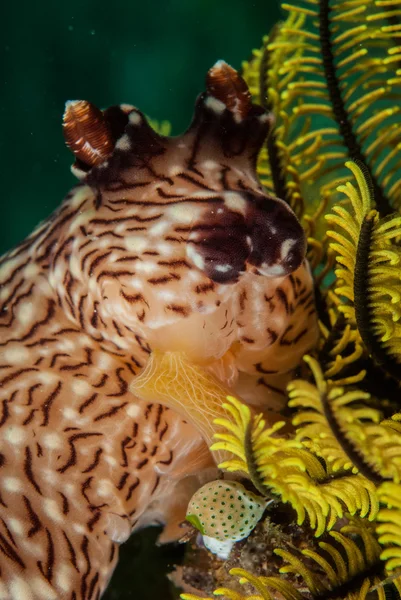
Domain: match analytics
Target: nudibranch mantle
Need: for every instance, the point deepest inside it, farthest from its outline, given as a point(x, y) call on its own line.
point(168, 245)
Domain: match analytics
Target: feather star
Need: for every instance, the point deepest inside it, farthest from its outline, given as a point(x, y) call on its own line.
point(166, 277)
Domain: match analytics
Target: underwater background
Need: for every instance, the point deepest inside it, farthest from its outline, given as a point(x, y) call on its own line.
point(154, 55)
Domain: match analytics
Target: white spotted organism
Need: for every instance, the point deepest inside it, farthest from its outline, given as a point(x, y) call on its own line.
point(166, 280)
point(225, 513)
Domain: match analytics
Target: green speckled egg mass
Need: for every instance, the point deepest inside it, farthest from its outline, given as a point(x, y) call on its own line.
point(225, 510)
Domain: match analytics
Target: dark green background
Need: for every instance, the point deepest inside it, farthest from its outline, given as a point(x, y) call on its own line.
point(151, 54)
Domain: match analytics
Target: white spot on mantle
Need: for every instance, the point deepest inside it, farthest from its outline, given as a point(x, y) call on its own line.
point(215, 105)
point(12, 484)
point(236, 202)
point(15, 435)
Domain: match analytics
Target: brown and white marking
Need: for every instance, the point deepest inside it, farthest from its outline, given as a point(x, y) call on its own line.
point(167, 244)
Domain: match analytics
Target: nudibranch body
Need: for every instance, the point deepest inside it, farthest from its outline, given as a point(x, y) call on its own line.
point(168, 247)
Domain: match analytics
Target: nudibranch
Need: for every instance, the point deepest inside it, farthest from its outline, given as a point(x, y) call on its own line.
point(168, 256)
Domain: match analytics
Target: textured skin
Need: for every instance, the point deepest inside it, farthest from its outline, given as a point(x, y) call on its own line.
point(151, 251)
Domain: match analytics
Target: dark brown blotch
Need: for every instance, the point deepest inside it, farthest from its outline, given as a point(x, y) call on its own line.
point(245, 231)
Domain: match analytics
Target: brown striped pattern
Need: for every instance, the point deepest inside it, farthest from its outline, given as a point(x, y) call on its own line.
point(83, 302)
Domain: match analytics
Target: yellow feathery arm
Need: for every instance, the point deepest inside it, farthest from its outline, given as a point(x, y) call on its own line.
point(368, 271)
point(389, 528)
point(286, 468)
